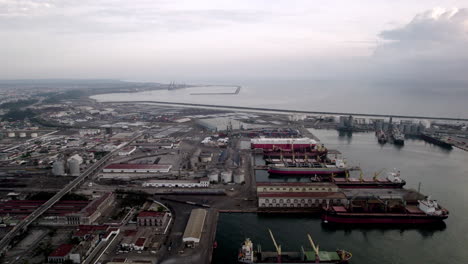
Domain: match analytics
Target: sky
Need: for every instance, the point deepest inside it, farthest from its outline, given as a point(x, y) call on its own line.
point(159, 40)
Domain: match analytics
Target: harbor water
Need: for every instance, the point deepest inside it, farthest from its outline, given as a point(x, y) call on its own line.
point(443, 174)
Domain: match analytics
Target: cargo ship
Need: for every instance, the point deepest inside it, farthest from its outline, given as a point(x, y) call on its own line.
point(320, 153)
point(282, 143)
point(436, 140)
point(308, 168)
point(381, 137)
point(248, 255)
point(393, 180)
point(427, 211)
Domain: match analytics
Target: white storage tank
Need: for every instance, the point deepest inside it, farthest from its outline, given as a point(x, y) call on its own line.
point(34, 135)
point(239, 177)
point(226, 176)
point(213, 176)
point(11, 134)
point(74, 167)
point(58, 169)
point(22, 135)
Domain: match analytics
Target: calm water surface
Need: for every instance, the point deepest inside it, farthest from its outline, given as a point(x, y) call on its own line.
point(443, 174)
point(329, 96)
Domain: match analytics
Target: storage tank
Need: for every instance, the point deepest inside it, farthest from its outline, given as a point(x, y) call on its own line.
point(239, 177)
point(58, 168)
point(213, 176)
point(226, 176)
point(22, 135)
point(11, 134)
point(34, 135)
point(74, 167)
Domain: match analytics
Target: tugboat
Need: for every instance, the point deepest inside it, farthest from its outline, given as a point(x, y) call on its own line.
point(381, 137)
point(248, 256)
point(393, 180)
point(427, 211)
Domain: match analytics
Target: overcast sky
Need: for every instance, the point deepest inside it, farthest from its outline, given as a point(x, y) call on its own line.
point(188, 40)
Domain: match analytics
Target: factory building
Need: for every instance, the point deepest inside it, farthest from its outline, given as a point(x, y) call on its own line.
point(201, 183)
point(137, 168)
point(194, 228)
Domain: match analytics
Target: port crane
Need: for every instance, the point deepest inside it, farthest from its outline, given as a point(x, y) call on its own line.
point(278, 247)
point(376, 174)
point(315, 248)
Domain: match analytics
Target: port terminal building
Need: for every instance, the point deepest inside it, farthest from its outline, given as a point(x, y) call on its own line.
point(298, 195)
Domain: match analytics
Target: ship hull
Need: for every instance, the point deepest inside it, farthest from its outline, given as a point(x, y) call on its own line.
point(380, 185)
point(306, 171)
point(380, 218)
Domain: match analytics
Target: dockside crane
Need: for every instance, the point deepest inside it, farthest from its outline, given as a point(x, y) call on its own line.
point(315, 248)
point(376, 174)
point(278, 247)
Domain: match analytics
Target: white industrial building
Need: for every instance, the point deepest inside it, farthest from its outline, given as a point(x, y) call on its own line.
point(137, 168)
point(127, 151)
point(202, 183)
point(194, 228)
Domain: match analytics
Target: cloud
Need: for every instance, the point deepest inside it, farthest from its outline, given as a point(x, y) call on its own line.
point(431, 47)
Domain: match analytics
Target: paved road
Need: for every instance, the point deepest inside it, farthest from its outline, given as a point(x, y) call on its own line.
point(23, 225)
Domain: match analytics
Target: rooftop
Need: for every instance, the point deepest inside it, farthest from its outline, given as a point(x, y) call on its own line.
point(333, 195)
point(62, 250)
point(328, 184)
point(137, 166)
point(151, 214)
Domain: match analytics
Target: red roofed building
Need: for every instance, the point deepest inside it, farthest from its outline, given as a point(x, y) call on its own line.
point(92, 211)
point(152, 218)
point(60, 254)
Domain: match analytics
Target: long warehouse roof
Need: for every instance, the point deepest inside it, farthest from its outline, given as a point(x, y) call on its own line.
point(195, 224)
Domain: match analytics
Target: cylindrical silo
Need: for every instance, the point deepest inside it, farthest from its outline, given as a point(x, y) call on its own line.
point(226, 176)
point(213, 176)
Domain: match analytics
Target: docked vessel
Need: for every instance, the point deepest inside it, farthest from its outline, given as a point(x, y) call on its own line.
point(425, 212)
point(308, 168)
point(282, 143)
point(436, 139)
point(248, 255)
point(393, 180)
point(381, 137)
point(273, 156)
point(398, 137)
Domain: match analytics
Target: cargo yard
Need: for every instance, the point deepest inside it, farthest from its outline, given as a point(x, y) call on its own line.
point(147, 183)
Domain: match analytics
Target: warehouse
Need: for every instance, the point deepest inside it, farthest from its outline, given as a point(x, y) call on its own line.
point(299, 199)
point(296, 187)
point(137, 168)
point(194, 228)
point(201, 183)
